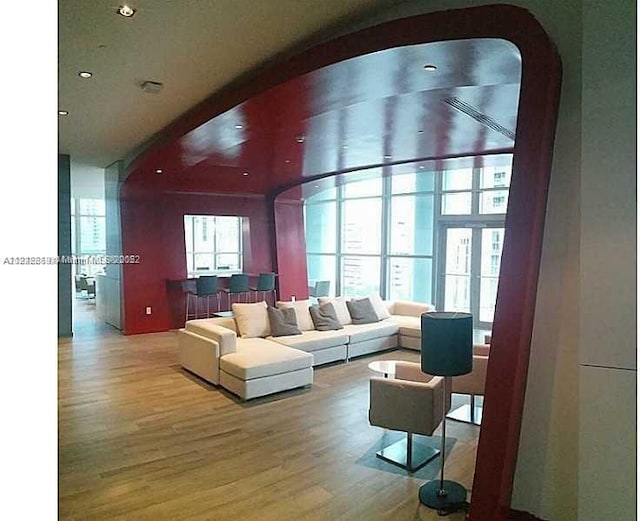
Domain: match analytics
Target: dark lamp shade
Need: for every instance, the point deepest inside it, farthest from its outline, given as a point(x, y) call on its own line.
point(447, 343)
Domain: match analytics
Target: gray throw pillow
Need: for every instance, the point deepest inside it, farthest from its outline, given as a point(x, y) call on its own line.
point(362, 311)
point(324, 317)
point(283, 321)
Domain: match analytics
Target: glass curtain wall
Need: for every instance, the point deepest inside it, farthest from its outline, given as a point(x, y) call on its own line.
point(373, 236)
point(431, 237)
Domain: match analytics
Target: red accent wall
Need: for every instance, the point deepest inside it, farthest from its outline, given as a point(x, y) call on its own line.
point(153, 227)
point(291, 250)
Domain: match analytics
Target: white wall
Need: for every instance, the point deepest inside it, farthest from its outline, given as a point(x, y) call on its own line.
point(608, 371)
point(87, 182)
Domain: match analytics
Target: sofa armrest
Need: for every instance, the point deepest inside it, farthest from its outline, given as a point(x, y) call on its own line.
point(406, 406)
point(411, 309)
point(207, 328)
point(199, 355)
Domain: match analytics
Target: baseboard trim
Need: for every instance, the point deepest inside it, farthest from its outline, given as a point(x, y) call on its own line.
point(519, 515)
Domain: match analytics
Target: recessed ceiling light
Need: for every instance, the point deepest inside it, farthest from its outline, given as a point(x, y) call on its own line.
point(300, 138)
point(421, 167)
point(238, 126)
point(159, 171)
point(63, 113)
point(387, 156)
point(126, 11)
point(85, 74)
point(316, 186)
point(245, 173)
point(287, 161)
point(420, 131)
point(430, 67)
point(344, 147)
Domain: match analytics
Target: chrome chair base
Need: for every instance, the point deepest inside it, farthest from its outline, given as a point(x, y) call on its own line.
point(467, 414)
point(407, 454)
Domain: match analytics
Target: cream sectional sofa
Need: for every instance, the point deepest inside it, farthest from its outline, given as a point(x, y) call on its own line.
point(252, 367)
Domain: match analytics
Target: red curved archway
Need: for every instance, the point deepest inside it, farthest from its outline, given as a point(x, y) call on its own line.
point(536, 120)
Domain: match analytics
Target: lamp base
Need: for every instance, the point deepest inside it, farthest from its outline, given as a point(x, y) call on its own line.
point(452, 494)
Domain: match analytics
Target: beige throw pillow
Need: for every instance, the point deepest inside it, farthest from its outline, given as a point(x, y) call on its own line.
point(301, 308)
point(379, 307)
point(252, 319)
point(340, 305)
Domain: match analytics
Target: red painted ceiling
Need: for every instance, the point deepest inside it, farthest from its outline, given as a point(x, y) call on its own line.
point(378, 108)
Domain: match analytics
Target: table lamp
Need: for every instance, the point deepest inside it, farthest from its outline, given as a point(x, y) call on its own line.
point(446, 350)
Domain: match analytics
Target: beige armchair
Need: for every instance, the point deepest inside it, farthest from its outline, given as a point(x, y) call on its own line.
point(410, 402)
point(473, 385)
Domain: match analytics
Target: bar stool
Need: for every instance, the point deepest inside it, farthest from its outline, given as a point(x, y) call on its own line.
point(206, 286)
point(320, 288)
point(238, 285)
point(266, 284)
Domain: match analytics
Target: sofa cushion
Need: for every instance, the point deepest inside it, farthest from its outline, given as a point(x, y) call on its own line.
point(340, 305)
point(324, 317)
point(379, 306)
point(257, 358)
point(283, 321)
point(362, 311)
point(314, 340)
point(301, 308)
point(362, 332)
point(252, 319)
point(409, 326)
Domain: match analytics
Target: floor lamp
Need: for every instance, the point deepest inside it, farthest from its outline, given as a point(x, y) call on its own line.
point(446, 350)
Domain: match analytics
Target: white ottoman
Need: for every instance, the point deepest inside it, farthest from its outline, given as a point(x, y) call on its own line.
point(260, 367)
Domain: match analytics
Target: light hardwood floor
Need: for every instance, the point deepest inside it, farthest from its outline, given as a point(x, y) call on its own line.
point(139, 438)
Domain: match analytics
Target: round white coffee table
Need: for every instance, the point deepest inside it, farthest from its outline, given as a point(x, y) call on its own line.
point(386, 367)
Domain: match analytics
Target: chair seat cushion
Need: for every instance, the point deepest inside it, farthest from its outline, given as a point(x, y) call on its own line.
point(409, 326)
point(363, 332)
point(257, 358)
point(314, 340)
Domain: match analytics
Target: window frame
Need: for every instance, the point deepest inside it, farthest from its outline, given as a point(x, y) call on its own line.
point(190, 253)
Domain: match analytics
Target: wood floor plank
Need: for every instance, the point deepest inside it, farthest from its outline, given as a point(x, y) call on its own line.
point(140, 438)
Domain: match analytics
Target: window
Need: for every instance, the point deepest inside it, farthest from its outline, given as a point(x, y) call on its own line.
point(456, 191)
point(213, 244)
point(320, 227)
point(88, 234)
point(432, 237)
point(360, 276)
point(350, 245)
point(361, 226)
point(494, 193)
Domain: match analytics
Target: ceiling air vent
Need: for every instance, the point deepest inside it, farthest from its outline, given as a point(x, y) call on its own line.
point(481, 118)
point(152, 87)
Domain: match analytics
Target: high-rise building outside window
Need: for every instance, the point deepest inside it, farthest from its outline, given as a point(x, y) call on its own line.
point(213, 244)
point(88, 235)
